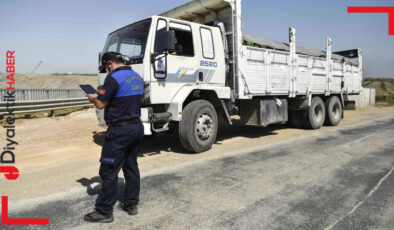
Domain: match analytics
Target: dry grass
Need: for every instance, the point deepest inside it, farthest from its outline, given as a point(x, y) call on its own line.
point(384, 89)
point(50, 81)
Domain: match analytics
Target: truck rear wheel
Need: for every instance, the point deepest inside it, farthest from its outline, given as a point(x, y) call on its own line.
point(314, 116)
point(199, 126)
point(333, 111)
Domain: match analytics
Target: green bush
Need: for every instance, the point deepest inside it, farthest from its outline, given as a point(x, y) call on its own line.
point(383, 86)
point(386, 98)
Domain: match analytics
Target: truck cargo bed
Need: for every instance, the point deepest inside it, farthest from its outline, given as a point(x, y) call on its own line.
point(269, 72)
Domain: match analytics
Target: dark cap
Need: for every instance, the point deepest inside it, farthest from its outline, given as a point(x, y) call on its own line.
point(111, 56)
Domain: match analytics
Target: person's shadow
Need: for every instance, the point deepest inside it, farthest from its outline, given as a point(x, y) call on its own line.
point(93, 187)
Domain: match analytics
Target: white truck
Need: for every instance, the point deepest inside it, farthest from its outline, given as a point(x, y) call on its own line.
point(214, 71)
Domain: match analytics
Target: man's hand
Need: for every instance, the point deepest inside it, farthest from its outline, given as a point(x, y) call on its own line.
point(92, 97)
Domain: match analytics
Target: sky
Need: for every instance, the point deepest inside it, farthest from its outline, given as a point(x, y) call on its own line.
point(67, 35)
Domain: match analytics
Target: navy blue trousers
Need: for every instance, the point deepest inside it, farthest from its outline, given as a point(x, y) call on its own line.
point(120, 151)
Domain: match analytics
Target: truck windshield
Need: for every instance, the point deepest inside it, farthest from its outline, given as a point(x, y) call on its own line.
point(130, 40)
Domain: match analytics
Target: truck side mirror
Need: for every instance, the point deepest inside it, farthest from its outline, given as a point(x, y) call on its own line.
point(169, 41)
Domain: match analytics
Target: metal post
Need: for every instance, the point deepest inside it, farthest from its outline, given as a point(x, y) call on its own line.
point(293, 63)
point(360, 66)
point(329, 67)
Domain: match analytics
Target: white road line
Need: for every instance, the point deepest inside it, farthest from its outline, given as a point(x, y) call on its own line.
point(367, 136)
point(362, 201)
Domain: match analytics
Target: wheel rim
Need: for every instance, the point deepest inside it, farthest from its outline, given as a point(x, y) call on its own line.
point(336, 111)
point(204, 126)
point(318, 114)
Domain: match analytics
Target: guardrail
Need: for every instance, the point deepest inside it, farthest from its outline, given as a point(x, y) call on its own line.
point(37, 100)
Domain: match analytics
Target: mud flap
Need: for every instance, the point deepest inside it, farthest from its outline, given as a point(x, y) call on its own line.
point(264, 111)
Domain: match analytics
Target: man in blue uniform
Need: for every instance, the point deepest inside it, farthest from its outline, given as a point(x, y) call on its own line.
point(121, 96)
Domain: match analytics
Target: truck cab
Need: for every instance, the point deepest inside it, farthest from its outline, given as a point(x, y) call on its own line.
point(177, 59)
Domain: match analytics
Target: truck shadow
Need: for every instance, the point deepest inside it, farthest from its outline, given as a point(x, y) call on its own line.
point(167, 142)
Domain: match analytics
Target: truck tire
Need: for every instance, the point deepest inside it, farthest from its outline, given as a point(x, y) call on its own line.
point(314, 116)
point(334, 111)
point(296, 118)
point(198, 127)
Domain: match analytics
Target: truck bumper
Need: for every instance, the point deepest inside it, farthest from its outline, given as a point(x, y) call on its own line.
point(145, 118)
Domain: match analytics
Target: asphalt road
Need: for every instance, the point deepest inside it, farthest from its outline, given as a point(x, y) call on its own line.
point(341, 179)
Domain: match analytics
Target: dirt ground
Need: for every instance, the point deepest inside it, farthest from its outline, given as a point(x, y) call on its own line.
point(54, 154)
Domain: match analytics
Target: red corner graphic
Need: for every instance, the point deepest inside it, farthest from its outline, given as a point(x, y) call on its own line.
point(8, 221)
point(376, 9)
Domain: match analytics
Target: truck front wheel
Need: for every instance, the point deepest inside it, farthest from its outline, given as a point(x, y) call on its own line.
point(199, 126)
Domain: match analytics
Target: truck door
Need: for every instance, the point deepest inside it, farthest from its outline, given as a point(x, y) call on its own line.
point(182, 63)
point(178, 68)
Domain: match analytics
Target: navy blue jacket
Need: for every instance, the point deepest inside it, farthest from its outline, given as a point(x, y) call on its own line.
point(123, 89)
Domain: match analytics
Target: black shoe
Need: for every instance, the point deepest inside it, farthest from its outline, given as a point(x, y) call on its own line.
point(130, 209)
point(98, 217)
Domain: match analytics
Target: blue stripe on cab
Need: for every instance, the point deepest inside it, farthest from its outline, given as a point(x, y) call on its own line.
point(177, 73)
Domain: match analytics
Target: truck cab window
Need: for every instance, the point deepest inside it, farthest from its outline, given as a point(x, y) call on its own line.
point(112, 44)
point(130, 46)
point(183, 40)
point(207, 43)
point(130, 40)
